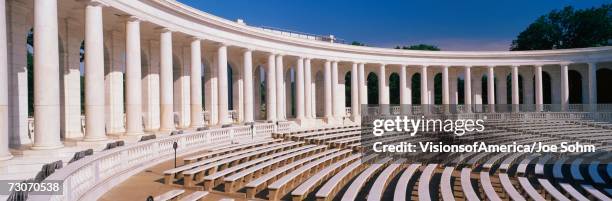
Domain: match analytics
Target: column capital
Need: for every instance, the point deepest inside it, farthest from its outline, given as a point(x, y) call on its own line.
point(195, 38)
point(247, 49)
point(130, 18)
point(164, 29)
point(538, 65)
point(592, 63)
point(493, 66)
point(94, 3)
point(221, 44)
point(565, 63)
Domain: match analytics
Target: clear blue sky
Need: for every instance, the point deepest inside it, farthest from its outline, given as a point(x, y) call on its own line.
point(449, 24)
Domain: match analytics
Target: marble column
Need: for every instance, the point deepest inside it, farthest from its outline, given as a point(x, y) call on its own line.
point(539, 96)
point(247, 58)
point(490, 85)
point(223, 85)
point(166, 81)
point(299, 80)
point(307, 89)
point(196, 83)
point(515, 89)
point(403, 83)
point(271, 89)
point(383, 89)
point(327, 90)
point(133, 83)
point(5, 154)
point(592, 83)
point(337, 109)
point(445, 87)
point(564, 87)
point(280, 89)
point(363, 90)
point(467, 89)
point(424, 93)
point(354, 93)
point(94, 73)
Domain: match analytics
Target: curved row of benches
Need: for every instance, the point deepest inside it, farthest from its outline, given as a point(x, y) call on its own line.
point(326, 164)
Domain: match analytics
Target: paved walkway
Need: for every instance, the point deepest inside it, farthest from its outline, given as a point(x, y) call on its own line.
point(150, 182)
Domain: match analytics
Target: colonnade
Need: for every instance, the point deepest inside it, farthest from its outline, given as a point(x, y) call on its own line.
point(47, 106)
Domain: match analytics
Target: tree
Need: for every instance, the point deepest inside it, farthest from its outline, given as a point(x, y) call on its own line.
point(357, 43)
point(419, 47)
point(568, 28)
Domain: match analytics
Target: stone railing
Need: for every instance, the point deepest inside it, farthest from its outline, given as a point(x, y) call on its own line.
point(285, 126)
point(90, 177)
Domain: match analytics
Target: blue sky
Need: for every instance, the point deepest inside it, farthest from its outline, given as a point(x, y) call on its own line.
point(449, 24)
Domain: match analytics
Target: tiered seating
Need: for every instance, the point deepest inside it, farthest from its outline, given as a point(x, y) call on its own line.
point(327, 164)
point(177, 193)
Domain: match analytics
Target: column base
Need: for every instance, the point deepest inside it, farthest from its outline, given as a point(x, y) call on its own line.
point(166, 129)
point(95, 139)
point(134, 133)
point(46, 147)
point(6, 157)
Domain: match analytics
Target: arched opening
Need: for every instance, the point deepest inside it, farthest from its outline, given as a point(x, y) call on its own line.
point(203, 69)
point(460, 91)
point(372, 88)
point(604, 95)
point(416, 88)
point(575, 87)
point(230, 87)
point(394, 89)
point(290, 92)
point(509, 89)
point(546, 88)
point(259, 92)
point(438, 89)
point(319, 92)
point(347, 89)
point(484, 89)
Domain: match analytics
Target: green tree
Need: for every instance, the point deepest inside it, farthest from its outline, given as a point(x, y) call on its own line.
point(357, 43)
point(568, 28)
point(419, 47)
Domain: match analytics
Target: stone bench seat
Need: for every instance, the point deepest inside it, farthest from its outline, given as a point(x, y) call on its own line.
point(279, 187)
point(466, 185)
point(334, 136)
point(195, 196)
point(169, 195)
point(191, 159)
point(237, 180)
point(424, 182)
point(402, 184)
point(509, 188)
point(196, 175)
point(524, 182)
point(212, 180)
point(446, 186)
point(308, 186)
point(253, 187)
point(170, 174)
point(333, 185)
point(488, 188)
point(379, 185)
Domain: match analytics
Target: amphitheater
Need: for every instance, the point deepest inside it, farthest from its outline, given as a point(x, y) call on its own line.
point(179, 104)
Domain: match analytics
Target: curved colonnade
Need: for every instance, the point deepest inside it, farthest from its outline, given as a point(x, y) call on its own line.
point(163, 63)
